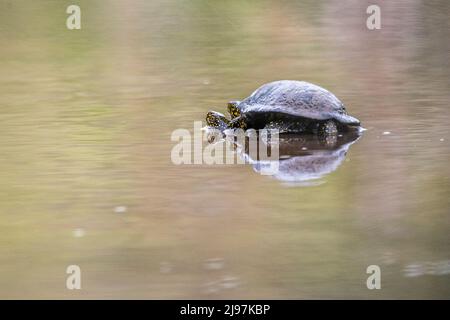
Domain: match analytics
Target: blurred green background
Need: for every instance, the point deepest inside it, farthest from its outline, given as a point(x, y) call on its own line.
point(86, 176)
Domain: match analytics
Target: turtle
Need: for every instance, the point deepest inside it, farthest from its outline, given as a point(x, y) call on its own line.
point(289, 106)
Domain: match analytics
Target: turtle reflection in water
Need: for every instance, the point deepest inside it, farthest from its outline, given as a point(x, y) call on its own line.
point(307, 158)
point(303, 159)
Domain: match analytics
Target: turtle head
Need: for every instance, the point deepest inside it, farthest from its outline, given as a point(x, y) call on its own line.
point(233, 109)
point(217, 120)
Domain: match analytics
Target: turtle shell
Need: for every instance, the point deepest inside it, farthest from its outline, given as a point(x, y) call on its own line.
point(297, 98)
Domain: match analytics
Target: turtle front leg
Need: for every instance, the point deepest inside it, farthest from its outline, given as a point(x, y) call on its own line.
point(238, 123)
point(233, 109)
point(217, 120)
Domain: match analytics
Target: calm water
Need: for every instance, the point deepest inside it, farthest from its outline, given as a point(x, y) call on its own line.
point(87, 178)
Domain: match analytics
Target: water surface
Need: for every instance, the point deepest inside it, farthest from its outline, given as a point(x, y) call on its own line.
point(87, 178)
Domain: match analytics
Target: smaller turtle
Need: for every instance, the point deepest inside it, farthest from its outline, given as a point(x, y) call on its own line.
point(289, 106)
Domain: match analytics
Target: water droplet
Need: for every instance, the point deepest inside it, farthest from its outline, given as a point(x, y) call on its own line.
point(78, 233)
point(120, 209)
point(211, 287)
point(165, 267)
point(230, 282)
point(214, 264)
point(414, 270)
point(385, 133)
point(441, 268)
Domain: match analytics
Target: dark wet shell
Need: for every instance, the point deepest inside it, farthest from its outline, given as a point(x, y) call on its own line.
point(297, 98)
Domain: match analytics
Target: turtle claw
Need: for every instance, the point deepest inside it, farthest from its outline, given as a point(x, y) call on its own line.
point(213, 135)
point(217, 120)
